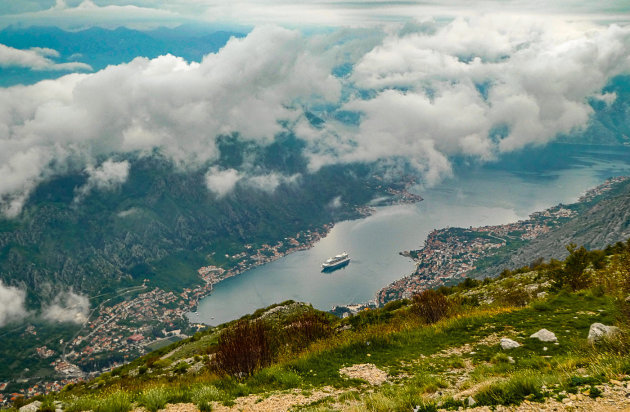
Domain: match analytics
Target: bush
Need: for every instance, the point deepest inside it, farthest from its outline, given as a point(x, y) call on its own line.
point(117, 402)
point(154, 399)
point(513, 391)
point(244, 348)
point(202, 397)
point(431, 306)
point(47, 406)
point(84, 403)
point(306, 328)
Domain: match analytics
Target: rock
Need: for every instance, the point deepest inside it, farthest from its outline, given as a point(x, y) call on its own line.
point(544, 335)
point(509, 344)
point(511, 359)
point(470, 401)
point(599, 331)
point(31, 407)
point(541, 295)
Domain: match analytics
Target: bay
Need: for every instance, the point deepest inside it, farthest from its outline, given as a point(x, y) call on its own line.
point(476, 195)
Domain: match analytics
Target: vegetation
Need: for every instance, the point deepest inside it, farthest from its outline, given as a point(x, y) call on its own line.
point(438, 349)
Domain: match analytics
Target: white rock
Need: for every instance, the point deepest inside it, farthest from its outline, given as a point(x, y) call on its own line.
point(599, 331)
point(509, 344)
point(541, 295)
point(470, 401)
point(544, 335)
point(31, 407)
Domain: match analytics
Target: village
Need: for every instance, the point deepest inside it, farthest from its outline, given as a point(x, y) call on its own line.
point(450, 254)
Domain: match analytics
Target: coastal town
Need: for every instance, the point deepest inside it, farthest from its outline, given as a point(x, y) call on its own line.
point(116, 333)
point(450, 255)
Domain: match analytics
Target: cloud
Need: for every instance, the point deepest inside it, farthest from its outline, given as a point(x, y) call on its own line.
point(12, 306)
point(270, 182)
point(164, 104)
point(67, 307)
point(110, 175)
point(36, 58)
point(473, 87)
point(354, 13)
point(421, 94)
point(222, 182)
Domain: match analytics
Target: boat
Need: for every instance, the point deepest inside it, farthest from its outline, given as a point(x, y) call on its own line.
point(336, 262)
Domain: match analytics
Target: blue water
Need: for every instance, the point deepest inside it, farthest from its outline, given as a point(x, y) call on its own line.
point(478, 195)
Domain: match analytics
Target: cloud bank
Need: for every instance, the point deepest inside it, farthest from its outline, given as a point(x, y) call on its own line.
point(474, 86)
point(12, 306)
point(67, 307)
point(36, 59)
point(166, 103)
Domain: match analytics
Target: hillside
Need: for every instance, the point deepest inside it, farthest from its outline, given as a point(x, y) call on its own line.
point(523, 339)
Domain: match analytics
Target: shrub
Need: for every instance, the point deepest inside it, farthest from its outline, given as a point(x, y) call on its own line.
point(306, 328)
point(431, 306)
point(154, 399)
point(202, 397)
point(116, 402)
point(244, 348)
point(514, 296)
point(47, 406)
point(84, 403)
point(512, 391)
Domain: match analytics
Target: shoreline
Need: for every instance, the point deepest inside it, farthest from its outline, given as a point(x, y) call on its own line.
point(213, 275)
point(450, 255)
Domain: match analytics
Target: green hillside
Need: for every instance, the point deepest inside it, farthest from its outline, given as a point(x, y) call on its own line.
point(442, 349)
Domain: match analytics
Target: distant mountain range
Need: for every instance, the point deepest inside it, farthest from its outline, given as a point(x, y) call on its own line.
point(100, 47)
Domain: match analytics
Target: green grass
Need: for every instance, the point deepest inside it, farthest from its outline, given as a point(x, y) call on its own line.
point(397, 341)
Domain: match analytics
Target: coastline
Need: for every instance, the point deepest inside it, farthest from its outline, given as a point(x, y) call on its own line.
point(450, 255)
point(213, 275)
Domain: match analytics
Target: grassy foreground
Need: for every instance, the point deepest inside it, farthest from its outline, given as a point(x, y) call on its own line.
point(440, 350)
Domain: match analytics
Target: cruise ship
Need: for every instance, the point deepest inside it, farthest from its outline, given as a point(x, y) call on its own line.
point(336, 262)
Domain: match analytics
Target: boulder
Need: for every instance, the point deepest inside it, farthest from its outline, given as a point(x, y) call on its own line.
point(509, 344)
point(31, 407)
point(545, 335)
point(598, 331)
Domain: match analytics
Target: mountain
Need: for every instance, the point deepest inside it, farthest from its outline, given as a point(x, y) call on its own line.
point(535, 339)
point(598, 224)
point(100, 47)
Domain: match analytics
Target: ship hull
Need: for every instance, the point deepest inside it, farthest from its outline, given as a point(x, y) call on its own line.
point(335, 266)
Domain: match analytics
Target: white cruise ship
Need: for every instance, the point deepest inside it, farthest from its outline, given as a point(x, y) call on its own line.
point(336, 262)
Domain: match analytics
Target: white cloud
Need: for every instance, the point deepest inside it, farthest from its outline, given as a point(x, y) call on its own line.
point(67, 307)
point(166, 103)
point(222, 182)
point(270, 182)
point(36, 58)
point(110, 175)
point(11, 304)
point(608, 98)
point(440, 93)
point(335, 203)
point(432, 91)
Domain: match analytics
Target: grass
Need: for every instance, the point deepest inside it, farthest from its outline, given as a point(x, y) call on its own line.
point(424, 361)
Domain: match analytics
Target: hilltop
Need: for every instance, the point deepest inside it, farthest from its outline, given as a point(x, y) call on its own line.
point(555, 335)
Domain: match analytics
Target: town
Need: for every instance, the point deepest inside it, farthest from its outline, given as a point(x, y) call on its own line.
point(450, 254)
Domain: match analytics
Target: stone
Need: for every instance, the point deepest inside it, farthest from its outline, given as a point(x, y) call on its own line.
point(544, 335)
point(31, 407)
point(509, 344)
point(470, 401)
point(599, 331)
point(541, 295)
